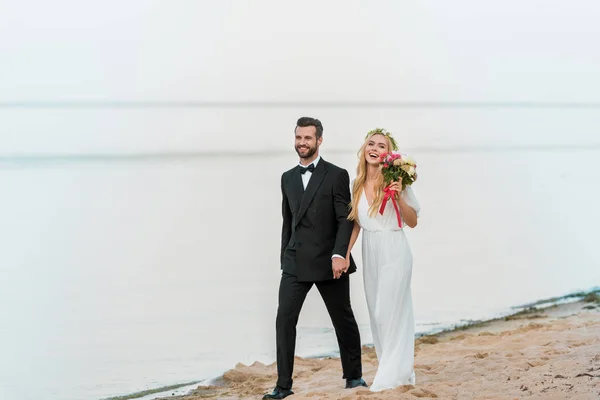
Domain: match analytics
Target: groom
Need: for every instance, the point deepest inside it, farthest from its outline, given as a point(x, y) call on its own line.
point(314, 243)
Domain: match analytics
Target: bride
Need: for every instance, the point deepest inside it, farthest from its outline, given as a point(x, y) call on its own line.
point(387, 263)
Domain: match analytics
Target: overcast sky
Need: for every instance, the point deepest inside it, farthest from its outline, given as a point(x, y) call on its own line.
point(267, 50)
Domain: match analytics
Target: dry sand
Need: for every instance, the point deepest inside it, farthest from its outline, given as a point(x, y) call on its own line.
point(552, 353)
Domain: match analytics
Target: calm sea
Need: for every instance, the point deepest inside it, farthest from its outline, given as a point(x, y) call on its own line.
point(119, 275)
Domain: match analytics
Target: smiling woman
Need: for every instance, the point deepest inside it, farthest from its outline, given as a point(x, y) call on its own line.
point(387, 262)
point(369, 154)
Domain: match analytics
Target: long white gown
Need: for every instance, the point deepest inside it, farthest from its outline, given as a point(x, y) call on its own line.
point(387, 270)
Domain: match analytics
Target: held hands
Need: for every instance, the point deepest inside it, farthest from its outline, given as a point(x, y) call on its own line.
point(338, 266)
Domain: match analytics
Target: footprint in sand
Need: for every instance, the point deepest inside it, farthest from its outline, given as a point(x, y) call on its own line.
point(423, 366)
point(424, 393)
point(462, 336)
point(427, 340)
point(579, 344)
point(556, 352)
point(362, 394)
point(425, 369)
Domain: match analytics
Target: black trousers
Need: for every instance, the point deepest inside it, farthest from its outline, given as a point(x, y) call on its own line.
point(336, 295)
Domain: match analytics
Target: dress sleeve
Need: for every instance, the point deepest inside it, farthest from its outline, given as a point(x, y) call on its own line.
point(409, 195)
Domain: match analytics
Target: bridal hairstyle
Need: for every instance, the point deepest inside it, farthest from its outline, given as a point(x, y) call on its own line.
point(361, 176)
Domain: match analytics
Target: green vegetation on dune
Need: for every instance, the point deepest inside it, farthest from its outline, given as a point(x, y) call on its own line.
point(592, 297)
point(593, 292)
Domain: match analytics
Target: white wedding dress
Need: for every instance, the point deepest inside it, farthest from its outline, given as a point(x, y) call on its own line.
point(387, 270)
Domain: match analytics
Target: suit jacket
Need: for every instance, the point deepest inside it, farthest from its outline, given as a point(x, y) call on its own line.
point(315, 223)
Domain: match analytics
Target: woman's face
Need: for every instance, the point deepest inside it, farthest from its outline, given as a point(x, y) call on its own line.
point(376, 146)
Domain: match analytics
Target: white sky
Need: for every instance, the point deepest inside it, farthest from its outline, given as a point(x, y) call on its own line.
point(268, 50)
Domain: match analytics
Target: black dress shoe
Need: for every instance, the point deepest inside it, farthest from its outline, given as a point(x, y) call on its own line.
point(278, 393)
point(352, 383)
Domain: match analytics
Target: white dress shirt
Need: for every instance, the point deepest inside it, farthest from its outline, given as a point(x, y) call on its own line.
point(306, 177)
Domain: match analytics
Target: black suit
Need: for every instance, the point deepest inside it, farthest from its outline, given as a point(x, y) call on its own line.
point(315, 227)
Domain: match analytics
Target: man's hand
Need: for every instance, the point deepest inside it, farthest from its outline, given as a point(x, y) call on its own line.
point(338, 266)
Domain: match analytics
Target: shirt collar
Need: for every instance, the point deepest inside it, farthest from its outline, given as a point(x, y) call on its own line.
point(315, 162)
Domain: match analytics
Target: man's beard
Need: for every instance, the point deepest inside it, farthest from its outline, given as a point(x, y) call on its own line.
point(310, 151)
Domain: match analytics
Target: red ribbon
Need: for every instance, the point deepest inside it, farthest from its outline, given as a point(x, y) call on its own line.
point(389, 194)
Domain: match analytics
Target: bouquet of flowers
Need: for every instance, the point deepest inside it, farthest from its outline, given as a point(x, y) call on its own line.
point(398, 167)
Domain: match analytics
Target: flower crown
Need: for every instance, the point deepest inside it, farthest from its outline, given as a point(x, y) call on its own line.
point(381, 131)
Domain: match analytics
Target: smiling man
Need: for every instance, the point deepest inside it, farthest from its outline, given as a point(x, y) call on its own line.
point(314, 242)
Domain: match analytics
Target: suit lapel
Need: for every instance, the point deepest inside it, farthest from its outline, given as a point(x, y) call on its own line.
point(297, 188)
point(313, 184)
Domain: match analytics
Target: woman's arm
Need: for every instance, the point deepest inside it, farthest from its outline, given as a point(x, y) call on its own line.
point(409, 215)
point(353, 237)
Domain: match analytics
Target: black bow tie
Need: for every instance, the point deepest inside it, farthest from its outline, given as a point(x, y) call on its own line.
point(310, 168)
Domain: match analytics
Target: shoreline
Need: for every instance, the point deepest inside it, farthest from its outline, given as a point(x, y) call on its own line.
point(580, 309)
point(145, 394)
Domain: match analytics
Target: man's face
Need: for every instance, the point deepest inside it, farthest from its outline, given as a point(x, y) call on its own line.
point(307, 143)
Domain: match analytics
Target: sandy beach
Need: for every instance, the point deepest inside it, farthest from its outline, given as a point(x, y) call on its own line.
point(540, 353)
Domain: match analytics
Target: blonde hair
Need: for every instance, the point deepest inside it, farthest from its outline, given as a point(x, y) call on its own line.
point(361, 177)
